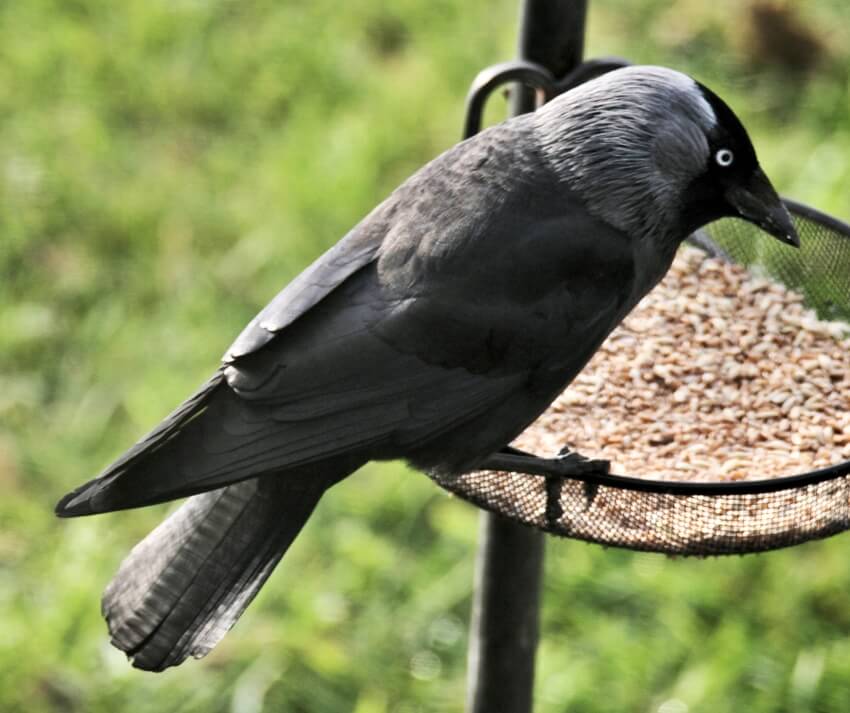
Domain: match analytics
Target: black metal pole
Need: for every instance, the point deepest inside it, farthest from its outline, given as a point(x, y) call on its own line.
point(504, 634)
point(509, 565)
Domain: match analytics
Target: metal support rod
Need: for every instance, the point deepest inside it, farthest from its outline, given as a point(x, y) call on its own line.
point(509, 566)
point(505, 613)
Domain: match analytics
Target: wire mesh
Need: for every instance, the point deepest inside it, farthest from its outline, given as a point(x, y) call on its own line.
point(819, 270)
point(688, 518)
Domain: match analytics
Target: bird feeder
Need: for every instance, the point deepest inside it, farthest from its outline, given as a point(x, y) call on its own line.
point(708, 516)
point(711, 515)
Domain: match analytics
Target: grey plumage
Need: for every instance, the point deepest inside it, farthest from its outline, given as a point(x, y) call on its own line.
point(435, 331)
point(663, 140)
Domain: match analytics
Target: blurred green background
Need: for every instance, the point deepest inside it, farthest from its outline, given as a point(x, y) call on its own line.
point(165, 167)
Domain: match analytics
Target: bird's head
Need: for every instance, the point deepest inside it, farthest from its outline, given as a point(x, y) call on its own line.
point(658, 155)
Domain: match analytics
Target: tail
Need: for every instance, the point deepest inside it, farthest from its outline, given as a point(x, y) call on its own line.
point(185, 585)
point(84, 500)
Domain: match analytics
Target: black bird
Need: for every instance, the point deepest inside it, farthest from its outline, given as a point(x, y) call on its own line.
point(435, 331)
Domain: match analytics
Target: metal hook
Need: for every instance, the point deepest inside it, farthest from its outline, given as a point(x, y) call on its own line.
point(488, 80)
point(531, 75)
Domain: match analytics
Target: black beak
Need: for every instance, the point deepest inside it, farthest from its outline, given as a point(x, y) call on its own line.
point(757, 202)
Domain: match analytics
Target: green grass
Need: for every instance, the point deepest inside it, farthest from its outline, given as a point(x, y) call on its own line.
point(166, 167)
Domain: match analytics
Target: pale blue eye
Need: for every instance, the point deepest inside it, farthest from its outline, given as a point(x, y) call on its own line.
point(724, 158)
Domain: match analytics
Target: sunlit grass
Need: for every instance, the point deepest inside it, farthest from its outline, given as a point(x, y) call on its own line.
point(165, 168)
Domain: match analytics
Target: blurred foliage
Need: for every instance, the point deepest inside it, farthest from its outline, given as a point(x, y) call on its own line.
point(165, 167)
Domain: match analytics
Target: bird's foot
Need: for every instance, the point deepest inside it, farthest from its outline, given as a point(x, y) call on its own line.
point(576, 464)
point(565, 465)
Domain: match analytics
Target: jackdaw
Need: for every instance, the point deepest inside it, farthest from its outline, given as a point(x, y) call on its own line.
point(435, 331)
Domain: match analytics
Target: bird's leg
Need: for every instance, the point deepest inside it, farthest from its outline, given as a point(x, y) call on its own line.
point(566, 464)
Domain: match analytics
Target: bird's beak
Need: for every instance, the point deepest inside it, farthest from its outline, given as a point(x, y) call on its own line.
point(757, 202)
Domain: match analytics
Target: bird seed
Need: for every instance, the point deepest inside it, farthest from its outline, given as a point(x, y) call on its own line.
point(717, 375)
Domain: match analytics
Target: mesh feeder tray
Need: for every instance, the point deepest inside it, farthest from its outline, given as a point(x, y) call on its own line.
point(706, 512)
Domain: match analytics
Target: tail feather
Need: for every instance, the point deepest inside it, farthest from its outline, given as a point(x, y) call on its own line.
point(184, 586)
point(80, 501)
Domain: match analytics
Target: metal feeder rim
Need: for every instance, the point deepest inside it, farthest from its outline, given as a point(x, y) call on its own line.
point(806, 211)
point(709, 488)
